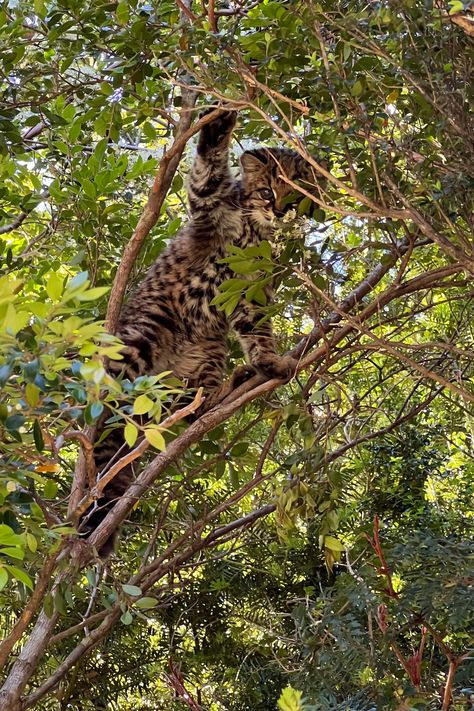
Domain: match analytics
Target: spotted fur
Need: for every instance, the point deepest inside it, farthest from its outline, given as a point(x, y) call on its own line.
point(169, 323)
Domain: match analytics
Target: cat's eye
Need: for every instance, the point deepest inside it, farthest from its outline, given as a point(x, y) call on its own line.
point(266, 193)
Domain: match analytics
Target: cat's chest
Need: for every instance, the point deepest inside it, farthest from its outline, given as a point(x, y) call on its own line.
point(199, 288)
point(202, 280)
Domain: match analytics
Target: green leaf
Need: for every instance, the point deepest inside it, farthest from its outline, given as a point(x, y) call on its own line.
point(126, 618)
point(50, 489)
point(146, 603)
point(49, 605)
point(266, 249)
point(106, 88)
point(75, 129)
point(155, 438)
point(20, 575)
point(455, 6)
point(38, 436)
point(97, 409)
point(304, 206)
point(233, 476)
point(234, 285)
point(257, 294)
point(31, 542)
point(122, 12)
point(333, 544)
point(54, 286)
point(232, 304)
point(92, 412)
point(132, 590)
point(17, 553)
point(130, 433)
point(4, 578)
point(59, 602)
point(92, 294)
point(89, 188)
point(357, 88)
point(32, 394)
point(241, 267)
point(39, 7)
point(5, 372)
point(142, 405)
point(8, 537)
point(65, 530)
point(239, 449)
point(61, 146)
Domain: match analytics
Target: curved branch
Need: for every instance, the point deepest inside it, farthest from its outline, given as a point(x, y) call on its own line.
point(31, 607)
point(4, 229)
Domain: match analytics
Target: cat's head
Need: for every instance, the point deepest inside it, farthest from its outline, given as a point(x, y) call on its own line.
point(266, 195)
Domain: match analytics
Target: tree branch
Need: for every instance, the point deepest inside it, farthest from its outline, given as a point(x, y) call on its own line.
point(41, 585)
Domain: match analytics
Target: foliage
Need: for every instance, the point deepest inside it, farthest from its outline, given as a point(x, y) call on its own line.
point(309, 545)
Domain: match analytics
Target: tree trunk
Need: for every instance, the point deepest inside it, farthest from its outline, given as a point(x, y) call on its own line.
point(27, 662)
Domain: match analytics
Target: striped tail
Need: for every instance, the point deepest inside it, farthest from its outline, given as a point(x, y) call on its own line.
point(107, 453)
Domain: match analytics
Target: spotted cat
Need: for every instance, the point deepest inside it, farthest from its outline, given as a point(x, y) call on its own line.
point(169, 322)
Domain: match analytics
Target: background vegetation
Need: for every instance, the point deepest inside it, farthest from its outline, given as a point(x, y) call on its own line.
point(307, 545)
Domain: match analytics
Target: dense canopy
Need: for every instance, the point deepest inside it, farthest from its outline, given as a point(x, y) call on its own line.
point(303, 546)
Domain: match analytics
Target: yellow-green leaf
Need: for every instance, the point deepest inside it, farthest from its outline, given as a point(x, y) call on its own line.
point(142, 405)
point(333, 544)
point(31, 542)
point(155, 438)
point(146, 603)
point(20, 575)
point(290, 700)
point(130, 433)
point(54, 286)
point(122, 12)
point(32, 394)
point(92, 294)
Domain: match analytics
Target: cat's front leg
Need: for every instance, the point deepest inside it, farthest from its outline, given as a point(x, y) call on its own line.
point(258, 344)
point(210, 181)
point(274, 366)
point(217, 133)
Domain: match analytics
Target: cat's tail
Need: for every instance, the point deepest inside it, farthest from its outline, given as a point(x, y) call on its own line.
point(106, 454)
point(113, 446)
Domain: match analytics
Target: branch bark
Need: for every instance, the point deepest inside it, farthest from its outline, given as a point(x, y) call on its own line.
point(30, 609)
point(27, 662)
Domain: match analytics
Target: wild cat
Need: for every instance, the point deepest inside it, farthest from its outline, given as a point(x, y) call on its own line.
point(170, 324)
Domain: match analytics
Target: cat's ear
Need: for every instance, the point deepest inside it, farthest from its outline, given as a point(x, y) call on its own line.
point(255, 161)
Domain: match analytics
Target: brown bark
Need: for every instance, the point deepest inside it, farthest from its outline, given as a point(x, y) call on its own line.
point(27, 661)
point(31, 607)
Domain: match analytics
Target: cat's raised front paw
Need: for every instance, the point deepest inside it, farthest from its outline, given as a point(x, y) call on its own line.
point(218, 129)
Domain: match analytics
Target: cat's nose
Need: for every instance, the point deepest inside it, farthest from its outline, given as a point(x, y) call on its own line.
point(278, 213)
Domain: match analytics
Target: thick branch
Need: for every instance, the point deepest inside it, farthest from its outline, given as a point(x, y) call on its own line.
point(27, 661)
point(15, 224)
point(82, 648)
point(31, 607)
